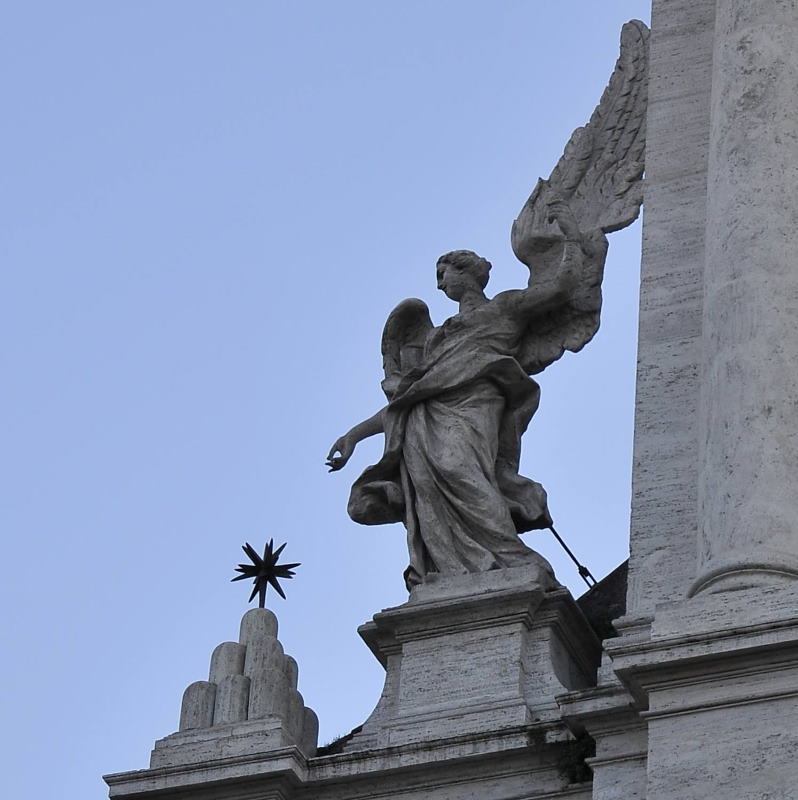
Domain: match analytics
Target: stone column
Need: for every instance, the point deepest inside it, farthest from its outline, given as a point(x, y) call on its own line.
point(748, 420)
point(664, 523)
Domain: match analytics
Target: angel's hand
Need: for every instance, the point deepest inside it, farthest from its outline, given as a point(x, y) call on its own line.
point(345, 445)
point(560, 212)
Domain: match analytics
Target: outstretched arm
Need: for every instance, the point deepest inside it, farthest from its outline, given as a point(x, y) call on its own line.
point(345, 445)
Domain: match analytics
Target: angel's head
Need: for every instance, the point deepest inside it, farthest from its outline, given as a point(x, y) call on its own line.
point(460, 272)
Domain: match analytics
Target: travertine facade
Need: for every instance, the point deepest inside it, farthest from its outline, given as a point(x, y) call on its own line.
point(497, 684)
point(665, 477)
point(748, 493)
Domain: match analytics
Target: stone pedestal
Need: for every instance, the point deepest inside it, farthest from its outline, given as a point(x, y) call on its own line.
point(475, 654)
point(720, 685)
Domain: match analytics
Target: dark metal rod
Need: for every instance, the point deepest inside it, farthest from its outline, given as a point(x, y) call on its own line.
point(584, 572)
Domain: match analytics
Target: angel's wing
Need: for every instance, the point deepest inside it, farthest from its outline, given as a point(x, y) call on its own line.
point(600, 178)
point(403, 339)
point(600, 173)
point(572, 325)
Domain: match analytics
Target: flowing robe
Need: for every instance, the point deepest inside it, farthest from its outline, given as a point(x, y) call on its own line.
point(453, 429)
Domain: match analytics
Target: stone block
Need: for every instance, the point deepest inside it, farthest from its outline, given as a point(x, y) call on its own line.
point(268, 694)
point(256, 625)
point(238, 740)
point(232, 700)
point(196, 710)
point(608, 714)
point(263, 656)
point(665, 515)
point(462, 662)
point(310, 732)
point(227, 659)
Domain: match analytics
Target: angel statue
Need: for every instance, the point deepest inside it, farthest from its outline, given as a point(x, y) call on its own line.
point(459, 395)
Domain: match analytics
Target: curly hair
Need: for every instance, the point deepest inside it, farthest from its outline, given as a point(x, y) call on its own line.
point(468, 260)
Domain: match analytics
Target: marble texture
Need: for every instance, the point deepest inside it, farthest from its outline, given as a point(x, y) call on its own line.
point(665, 520)
point(749, 403)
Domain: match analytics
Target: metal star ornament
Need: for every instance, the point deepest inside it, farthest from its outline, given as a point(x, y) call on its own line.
point(264, 570)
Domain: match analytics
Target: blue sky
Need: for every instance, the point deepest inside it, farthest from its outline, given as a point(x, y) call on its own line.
point(209, 210)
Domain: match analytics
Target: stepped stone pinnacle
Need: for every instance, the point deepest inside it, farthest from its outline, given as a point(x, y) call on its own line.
point(249, 703)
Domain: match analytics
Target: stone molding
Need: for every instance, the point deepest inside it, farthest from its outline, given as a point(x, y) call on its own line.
point(611, 717)
point(690, 660)
point(265, 776)
point(458, 663)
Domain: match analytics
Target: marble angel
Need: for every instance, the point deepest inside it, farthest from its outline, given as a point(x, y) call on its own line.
point(460, 395)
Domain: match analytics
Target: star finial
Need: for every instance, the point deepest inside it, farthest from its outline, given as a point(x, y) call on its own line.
point(264, 570)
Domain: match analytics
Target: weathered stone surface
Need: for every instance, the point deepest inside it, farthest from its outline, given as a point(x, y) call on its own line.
point(250, 706)
point(232, 699)
point(310, 731)
point(719, 684)
point(258, 624)
point(499, 767)
point(459, 664)
point(267, 774)
point(196, 710)
point(268, 694)
point(749, 410)
point(238, 740)
point(263, 656)
point(291, 672)
point(227, 659)
point(451, 587)
point(665, 518)
point(610, 717)
point(714, 508)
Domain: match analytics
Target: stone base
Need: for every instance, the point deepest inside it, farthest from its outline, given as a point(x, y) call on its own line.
point(272, 775)
point(608, 714)
point(240, 739)
point(474, 655)
point(718, 681)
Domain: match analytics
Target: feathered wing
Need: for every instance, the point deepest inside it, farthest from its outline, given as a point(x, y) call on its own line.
point(600, 177)
point(403, 340)
point(600, 173)
point(572, 325)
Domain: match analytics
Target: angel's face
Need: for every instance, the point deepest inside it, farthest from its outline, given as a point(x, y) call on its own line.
point(455, 281)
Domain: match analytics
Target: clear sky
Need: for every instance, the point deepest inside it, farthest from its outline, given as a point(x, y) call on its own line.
point(209, 209)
